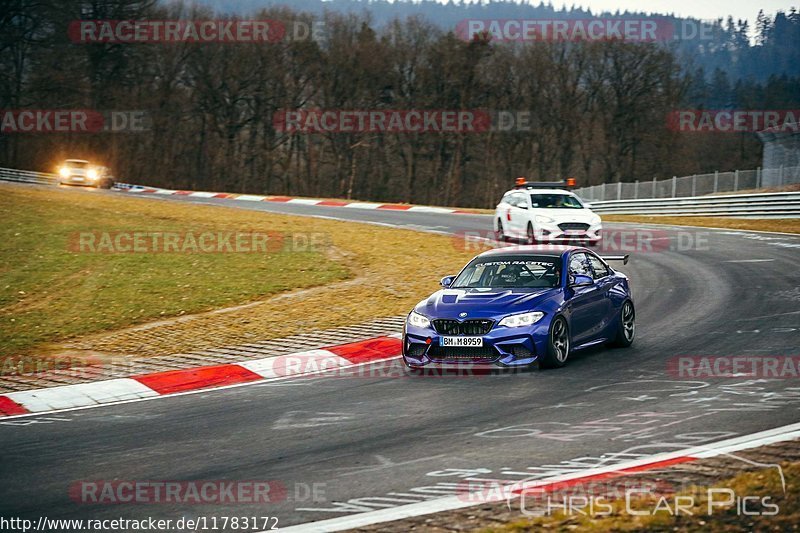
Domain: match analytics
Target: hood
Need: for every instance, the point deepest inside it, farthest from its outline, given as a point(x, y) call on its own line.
point(482, 303)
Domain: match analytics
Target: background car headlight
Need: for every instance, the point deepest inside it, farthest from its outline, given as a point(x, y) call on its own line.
point(524, 319)
point(416, 319)
point(64, 171)
point(541, 219)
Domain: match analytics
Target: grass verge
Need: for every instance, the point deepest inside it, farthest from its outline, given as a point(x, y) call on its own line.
point(53, 299)
point(783, 225)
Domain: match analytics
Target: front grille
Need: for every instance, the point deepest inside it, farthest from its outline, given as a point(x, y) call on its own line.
point(467, 327)
point(568, 226)
point(416, 349)
point(451, 353)
point(519, 351)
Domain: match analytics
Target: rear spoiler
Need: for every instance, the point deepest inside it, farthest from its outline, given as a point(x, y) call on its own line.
point(623, 258)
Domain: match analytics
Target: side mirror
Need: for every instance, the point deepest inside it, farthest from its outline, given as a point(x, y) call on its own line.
point(579, 280)
point(447, 281)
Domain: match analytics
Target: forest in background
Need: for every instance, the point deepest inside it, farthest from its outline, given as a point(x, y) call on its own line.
point(598, 108)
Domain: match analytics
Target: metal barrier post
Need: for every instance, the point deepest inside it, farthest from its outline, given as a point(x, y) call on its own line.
point(619, 190)
point(636, 190)
point(736, 180)
point(716, 180)
point(674, 185)
point(694, 184)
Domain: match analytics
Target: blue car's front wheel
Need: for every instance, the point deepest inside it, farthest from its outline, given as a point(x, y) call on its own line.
point(558, 344)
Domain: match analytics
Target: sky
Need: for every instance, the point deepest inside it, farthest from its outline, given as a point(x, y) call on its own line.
point(700, 9)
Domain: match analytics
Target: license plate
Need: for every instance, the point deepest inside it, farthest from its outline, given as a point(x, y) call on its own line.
point(574, 232)
point(77, 178)
point(461, 342)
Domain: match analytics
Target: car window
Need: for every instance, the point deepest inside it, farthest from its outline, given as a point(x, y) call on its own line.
point(520, 200)
point(599, 268)
point(555, 201)
point(510, 272)
point(579, 265)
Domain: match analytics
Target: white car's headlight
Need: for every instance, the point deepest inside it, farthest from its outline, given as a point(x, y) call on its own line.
point(417, 320)
point(541, 219)
point(92, 174)
point(64, 171)
point(524, 319)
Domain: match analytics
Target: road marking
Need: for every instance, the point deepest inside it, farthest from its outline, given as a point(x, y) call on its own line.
point(291, 420)
point(748, 261)
point(461, 501)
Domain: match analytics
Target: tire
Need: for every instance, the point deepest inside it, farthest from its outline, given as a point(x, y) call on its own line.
point(499, 233)
point(531, 235)
point(626, 328)
point(558, 344)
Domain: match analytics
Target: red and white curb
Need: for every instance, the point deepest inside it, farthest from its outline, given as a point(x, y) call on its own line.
point(198, 378)
point(450, 503)
point(292, 200)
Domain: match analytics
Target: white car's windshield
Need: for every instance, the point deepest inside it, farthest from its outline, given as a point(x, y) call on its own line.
point(510, 272)
point(555, 201)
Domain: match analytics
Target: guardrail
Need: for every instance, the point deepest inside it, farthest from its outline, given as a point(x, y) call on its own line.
point(758, 205)
point(27, 176)
point(695, 185)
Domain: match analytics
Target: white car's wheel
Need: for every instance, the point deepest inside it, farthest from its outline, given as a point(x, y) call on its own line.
point(500, 235)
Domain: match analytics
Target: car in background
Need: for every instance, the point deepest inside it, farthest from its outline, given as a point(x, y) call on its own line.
point(81, 172)
point(516, 307)
point(546, 213)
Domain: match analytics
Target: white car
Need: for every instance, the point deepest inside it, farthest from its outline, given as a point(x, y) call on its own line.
point(536, 212)
point(81, 172)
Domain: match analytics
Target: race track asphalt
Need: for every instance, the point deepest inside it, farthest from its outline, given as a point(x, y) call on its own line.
point(364, 443)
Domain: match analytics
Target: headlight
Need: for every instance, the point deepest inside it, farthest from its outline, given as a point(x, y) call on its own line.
point(92, 174)
point(64, 171)
point(416, 319)
point(524, 319)
point(541, 219)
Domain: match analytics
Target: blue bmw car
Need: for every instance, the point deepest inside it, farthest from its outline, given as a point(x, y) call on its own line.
point(521, 306)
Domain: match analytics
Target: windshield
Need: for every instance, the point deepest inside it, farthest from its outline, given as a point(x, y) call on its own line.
point(555, 201)
point(511, 272)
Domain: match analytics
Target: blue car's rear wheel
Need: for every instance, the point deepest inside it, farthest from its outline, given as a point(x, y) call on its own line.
point(626, 329)
point(558, 344)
